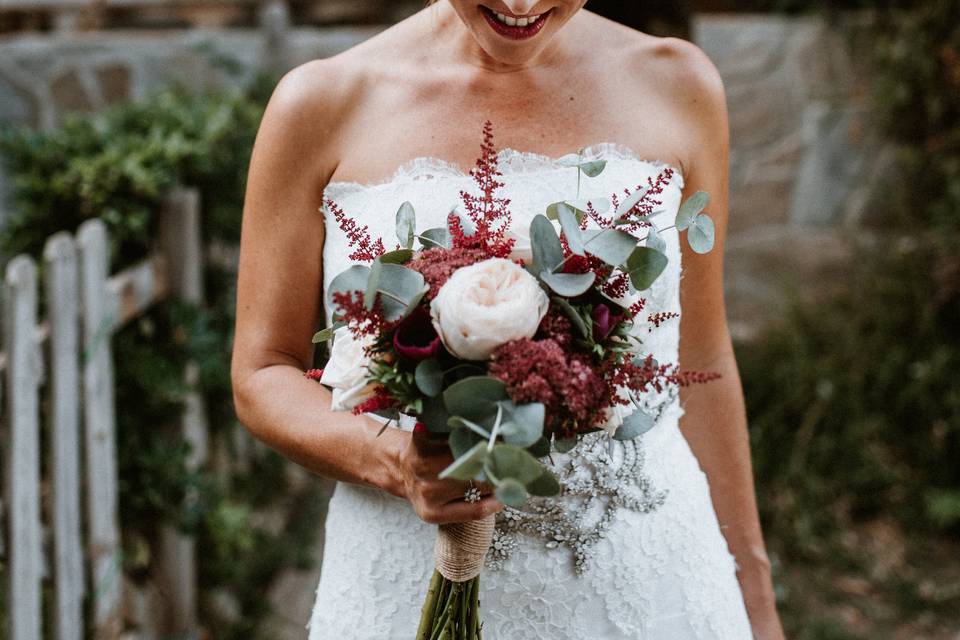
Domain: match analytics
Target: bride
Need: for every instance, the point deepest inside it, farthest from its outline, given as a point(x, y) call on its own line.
point(398, 118)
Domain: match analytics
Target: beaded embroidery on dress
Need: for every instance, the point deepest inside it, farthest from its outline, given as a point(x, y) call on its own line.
point(630, 549)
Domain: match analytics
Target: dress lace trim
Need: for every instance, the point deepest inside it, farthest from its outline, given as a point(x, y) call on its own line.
point(511, 162)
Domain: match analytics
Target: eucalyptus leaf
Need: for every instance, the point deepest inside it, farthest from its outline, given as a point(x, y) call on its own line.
point(456, 422)
point(540, 448)
point(545, 485)
point(325, 334)
point(474, 398)
point(569, 160)
point(436, 237)
point(571, 228)
point(593, 168)
point(509, 461)
point(511, 493)
point(610, 245)
point(435, 415)
point(569, 284)
point(547, 252)
point(691, 209)
point(700, 234)
point(373, 284)
point(467, 465)
point(552, 210)
point(655, 241)
point(461, 440)
point(406, 224)
point(635, 424)
point(353, 279)
point(397, 256)
point(563, 445)
point(631, 201)
point(429, 377)
point(401, 289)
point(644, 266)
point(521, 424)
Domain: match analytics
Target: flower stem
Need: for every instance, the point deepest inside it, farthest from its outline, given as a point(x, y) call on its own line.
point(429, 607)
point(473, 628)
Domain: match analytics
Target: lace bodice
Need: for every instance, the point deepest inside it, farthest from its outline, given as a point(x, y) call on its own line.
point(531, 181)
point(630, 549)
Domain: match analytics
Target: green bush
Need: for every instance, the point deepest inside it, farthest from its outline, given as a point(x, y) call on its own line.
point(116, 165)
point(853, 399)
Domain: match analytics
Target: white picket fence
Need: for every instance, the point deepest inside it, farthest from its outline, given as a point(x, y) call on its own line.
point(65, 361)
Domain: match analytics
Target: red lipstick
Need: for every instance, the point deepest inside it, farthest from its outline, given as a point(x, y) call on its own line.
point(514, 32)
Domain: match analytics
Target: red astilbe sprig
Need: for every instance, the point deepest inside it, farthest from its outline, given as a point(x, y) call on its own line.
point(636, 308)
point(602, 221)
point(490, 214)
point(635, 218)
point(361, 320)
point(437, 264)
point(656, 319)
point(567, 383)
point(647, 374)
point(381, 400)
point(365, 248)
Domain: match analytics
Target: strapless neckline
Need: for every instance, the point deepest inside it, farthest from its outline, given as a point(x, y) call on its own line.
point(510, 162)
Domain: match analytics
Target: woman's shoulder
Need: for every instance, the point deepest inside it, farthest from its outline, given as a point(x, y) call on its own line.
point(676, 64)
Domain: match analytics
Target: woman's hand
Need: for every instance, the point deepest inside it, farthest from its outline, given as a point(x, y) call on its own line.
point(437, 501)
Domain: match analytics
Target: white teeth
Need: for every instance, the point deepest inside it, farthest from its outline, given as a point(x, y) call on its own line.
point(516, 22)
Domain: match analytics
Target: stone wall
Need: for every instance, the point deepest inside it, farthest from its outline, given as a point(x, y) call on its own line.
point(802, 163)
point(804, 166)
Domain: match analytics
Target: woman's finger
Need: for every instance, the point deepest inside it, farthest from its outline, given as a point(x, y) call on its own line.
point(460, 511)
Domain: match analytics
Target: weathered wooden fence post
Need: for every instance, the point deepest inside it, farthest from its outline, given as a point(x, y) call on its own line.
point(61, 289)
point(100, 431)
point(24, 370)
point(181, 245)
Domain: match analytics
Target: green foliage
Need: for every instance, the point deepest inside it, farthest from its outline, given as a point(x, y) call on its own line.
point(853, 400)
point(854, 405)
point(116, 165)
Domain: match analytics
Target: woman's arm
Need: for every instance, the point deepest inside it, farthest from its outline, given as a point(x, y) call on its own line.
point(714, 421)
point(279, 304)
point(279, 284)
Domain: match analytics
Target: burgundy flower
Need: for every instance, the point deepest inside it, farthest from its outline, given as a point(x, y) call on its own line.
point(415, 337)
point(571, 389)
point(604, 321)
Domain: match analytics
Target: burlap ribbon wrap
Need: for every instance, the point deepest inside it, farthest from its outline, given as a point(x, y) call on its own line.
point(461, 547)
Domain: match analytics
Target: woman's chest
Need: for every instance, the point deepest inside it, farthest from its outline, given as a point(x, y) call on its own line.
point(393, 122)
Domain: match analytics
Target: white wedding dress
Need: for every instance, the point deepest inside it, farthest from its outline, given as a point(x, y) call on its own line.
point(632, 550)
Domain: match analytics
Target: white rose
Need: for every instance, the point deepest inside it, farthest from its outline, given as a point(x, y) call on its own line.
point(486, 305)
point(346, 371)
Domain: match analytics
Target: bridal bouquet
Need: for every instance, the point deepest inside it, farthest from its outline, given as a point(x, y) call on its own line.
point(510, 342)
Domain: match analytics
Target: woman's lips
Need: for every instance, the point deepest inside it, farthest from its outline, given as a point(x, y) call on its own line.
point(514, 32)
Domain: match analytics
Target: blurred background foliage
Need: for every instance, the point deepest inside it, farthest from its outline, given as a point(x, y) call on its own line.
point(117, 164)
point(853, 400)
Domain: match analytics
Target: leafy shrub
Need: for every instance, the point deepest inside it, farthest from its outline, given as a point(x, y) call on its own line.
point(854, 402)
point(116, 165)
